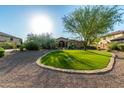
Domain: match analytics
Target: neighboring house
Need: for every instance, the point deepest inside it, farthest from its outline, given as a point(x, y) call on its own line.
point(66, 43)
point(117, 36)
point(9, 38)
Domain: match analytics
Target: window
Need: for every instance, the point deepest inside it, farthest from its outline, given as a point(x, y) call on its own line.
point(11, 39)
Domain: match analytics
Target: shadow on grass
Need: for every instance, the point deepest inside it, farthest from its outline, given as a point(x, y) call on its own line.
point(98, 53)
point(83, 61)
point(63, 61)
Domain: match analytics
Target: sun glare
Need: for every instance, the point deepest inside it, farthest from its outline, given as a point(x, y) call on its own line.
point(41, 24)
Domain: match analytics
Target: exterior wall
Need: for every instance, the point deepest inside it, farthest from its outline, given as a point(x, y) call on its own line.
point(10, 39)
point(4, 39)
point(106, 40)
point(67, 43)
point(17, 41)
point(114, 36)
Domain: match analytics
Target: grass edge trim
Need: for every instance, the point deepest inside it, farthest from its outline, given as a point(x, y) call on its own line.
point(106, 69)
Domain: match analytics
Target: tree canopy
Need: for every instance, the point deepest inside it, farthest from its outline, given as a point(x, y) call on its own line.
point(89, 22)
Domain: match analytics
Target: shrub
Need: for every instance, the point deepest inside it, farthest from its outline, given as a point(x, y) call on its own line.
point(91, 47)
point(71, 46)
point(45, 41)
point(108, 49)
point(22, 47)
point(7, 45)
point(2, 51)
point(113, 46)
point(121, 47)
point(31, 46)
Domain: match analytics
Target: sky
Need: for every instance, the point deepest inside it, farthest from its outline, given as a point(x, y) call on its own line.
point(16, 20)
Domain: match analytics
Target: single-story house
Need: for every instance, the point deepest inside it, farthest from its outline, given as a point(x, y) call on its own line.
point(9, 38)
point(66, 43)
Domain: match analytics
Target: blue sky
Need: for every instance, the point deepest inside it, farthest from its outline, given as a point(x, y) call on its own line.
point(15, 19)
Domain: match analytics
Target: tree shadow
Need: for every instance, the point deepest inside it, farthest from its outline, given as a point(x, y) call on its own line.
point(98, 54)
point(63, 60)
point(65, 64)
point(83, 61)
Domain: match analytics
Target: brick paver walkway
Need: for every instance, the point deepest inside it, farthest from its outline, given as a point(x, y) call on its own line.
point(20, 70)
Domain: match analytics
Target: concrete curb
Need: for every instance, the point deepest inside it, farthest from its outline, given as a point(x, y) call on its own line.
point(108, 68)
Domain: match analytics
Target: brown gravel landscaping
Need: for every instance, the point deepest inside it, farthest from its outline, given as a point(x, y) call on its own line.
point(21, 70)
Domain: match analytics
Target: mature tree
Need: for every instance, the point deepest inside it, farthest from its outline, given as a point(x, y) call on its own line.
point(89, 22)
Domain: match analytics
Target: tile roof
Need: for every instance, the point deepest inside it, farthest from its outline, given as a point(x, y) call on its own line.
point(7, 35)
point(116, 32)
point(119, 38)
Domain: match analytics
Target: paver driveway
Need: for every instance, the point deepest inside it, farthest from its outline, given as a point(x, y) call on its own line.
point(20, 70)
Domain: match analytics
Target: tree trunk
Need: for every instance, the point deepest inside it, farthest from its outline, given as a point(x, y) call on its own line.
point(85, 48)
point(85, 45)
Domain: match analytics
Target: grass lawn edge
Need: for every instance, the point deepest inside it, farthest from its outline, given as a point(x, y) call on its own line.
point(106, 69)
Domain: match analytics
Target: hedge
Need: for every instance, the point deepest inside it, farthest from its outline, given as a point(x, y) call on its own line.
point(2, 51)
point(8, 45)
point(121, 47)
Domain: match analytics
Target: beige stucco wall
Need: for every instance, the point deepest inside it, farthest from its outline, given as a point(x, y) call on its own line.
point(69, 42)
point(17, 41)
point(105, 40)
point(108, 38)
point(4, 39)
point(8, 39)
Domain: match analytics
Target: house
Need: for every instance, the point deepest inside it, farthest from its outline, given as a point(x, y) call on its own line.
point(117, 36)
point(9, 38)
point(68, 43)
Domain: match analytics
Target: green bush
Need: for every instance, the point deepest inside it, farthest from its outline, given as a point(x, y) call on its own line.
point(31, 46)
point(7, 45)
point(91, 47)
point(22, 47)
point(121, 47)
point(71, 46)
point(2, 51)
point(113, 46)
point(44, 41)
point(108, 49)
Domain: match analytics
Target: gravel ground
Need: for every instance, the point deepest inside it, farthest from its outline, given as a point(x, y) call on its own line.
point(20, 70)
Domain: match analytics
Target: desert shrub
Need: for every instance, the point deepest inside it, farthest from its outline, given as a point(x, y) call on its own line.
point(44, 41)
point(113, 46)
point(71, 46)
point(121, 47)
point(109, 49)
point(8, 45)
point(91, 47)
point(18, 46)
point(22, 47)
point(31, 45)
point(2, 51)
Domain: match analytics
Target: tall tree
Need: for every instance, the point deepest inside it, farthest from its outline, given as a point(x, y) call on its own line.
point(91, 21)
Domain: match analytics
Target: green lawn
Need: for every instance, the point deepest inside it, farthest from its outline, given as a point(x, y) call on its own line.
point(77, 59)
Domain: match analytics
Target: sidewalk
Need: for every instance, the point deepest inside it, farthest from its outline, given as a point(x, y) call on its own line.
point(8, 51)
